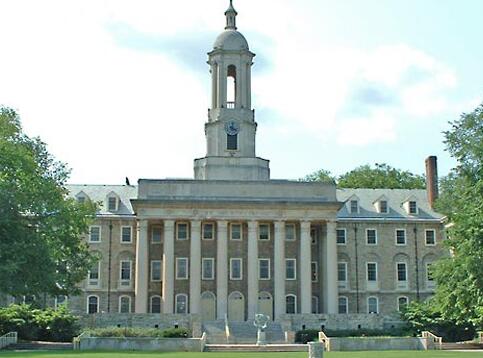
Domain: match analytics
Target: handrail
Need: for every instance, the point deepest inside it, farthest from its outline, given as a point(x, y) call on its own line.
point(324, 339)
point(480, 336)
point(8, 339)
point(227, 330)
point(434, 339)
point(76, 341)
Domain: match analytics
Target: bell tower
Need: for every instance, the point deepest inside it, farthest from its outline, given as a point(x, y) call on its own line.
point(231, 127)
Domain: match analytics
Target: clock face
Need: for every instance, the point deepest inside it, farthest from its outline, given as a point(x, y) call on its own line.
point(232, 127)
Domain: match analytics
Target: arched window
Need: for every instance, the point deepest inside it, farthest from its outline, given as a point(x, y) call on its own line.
point(402, 303)
point(315, 305)
point(231, 87)
point(343, 305)
point(181, 303)
point(124, 304)
point(291, 304)
point(155, 304)
point(372, 305)
point(92, 304)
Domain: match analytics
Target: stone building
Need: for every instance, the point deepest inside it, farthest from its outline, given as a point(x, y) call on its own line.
point(231, 242)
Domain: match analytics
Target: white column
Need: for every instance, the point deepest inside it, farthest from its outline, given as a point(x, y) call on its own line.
point(222, 270)
point(279, 269)
point(168, 267)
point(195, 267)
point(331, 269)
point(252, 277)
point(304, 263)
point(214, 85)
point(142, 268)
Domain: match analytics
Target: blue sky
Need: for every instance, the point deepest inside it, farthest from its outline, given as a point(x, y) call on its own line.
point(120, 88)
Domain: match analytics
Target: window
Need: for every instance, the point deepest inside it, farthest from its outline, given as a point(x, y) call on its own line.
point(92, 304)
point(371, 236)
point(112, 202)
point(181, 268)
point(402, 274)
point(315, 305)
point(341, 236)
point(383, 207)
point(402, 303)
point(372, 271)
point(236, 269)
point(264, 269)
point(400, 237)
point(124, 304)
point(181, 303)
point(95, 234)
point(429, 275)
point(232, 142)
point(290, 269)
point(156, 235)
point(413, 208)
point(291, 304)
point(126, 234)
point(314, 270)
point(181, 231)
point(60, 300)
point(208, 269)
point(313, 236)
point(354, 206)
point(208, 231)
point(155, 304)
point(290, 232)
point(156, 271)
point(93, 275)
point(430, 236)
point(235, 232)
point(264, 232)
point(125, 272)
point(342, 272)
point(343, 305)
point(372, 305)
point(81, 199)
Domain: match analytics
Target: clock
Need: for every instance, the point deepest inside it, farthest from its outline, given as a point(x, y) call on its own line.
point(232, 127)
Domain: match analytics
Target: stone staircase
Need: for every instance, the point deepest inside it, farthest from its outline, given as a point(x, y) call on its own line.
point(37, 346)
point(255, 348)
point(461, 346)
point(215, 332)
point(246, 333)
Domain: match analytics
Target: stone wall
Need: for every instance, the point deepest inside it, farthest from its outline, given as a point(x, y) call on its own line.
point(376, 343)
point(141, 344)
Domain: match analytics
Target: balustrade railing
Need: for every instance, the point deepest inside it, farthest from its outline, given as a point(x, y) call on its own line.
point(433, 341)
point(230, 105)
point(8, 339)
point(324, 339)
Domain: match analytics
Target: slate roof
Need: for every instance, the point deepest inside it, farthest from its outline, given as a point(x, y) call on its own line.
point(99, 193)
point(395, 199)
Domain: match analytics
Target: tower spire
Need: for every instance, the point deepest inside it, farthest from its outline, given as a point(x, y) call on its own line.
point(231, 14)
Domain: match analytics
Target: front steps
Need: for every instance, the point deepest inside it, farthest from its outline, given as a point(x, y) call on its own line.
point(246, 333)
point(255, 348)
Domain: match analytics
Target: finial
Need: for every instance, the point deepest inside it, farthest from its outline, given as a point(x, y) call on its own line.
point(231, 14)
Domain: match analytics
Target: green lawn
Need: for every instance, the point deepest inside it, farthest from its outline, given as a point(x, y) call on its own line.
point(387, 354)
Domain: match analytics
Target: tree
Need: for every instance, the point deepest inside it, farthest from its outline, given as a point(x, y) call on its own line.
point(382, 176)
point(41, 251)
point(460, 277)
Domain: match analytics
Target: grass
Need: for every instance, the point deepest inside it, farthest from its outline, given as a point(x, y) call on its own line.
point(382, 354)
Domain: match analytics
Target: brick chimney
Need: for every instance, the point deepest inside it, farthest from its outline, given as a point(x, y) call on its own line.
point(432, 179)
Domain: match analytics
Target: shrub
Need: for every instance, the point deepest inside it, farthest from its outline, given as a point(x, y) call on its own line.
point(130, 332)
point(395, 332)
point(176, 333)
point(307, 335)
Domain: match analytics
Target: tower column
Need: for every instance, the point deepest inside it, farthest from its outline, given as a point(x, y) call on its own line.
point(279, 269)
point(142, 268)
point(195, 267)
point(252, 269)
point(305, 263)
point(214, 84)
point(332, 293)
point(168, 267)
point(222, 270)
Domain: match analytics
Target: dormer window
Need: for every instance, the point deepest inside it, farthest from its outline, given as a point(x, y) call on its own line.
point(354, 206)
point(383, 207)
point(112, 202)
point(81, 197)
point(413, 208)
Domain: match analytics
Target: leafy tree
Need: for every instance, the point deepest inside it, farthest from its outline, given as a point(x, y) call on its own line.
point(460, 277)
point(382, 176)
point(40, 227)
point(321, 175)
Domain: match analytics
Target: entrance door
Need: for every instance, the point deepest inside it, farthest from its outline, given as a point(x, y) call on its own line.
point(208, 306)
point(265, 304)
point(236, 307)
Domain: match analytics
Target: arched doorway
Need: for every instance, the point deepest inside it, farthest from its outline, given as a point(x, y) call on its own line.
point(265, 304)
point(208, 306)
point(236, 307)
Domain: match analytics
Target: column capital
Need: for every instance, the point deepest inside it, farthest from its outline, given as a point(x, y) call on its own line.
point(305, 224)
point(168, 222)
point(195, 222)
point(142, 223)
point(252, 225)
point(279, 224)
point(222, 222)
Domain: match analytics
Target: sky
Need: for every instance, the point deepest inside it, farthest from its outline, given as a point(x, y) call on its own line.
point(121, 88)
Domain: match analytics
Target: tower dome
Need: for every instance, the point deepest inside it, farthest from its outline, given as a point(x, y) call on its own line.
point(231, 40)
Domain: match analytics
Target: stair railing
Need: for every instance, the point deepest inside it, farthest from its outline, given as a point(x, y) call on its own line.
point(480, 337)
point(432, 340)
point(8, 339)
point(325, 340)
point(227, 330)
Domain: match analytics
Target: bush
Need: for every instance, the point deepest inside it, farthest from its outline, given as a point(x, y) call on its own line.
point(129, 332)
point(35, 324)
point(307, 335)
point(395, 332)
